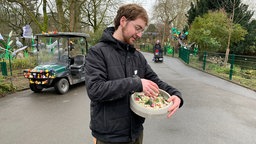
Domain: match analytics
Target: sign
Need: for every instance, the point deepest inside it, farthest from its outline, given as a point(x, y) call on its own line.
point(1, 37)
point(27, 32)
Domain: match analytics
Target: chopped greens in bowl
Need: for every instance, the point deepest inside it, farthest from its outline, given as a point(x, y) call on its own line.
point(146, 106)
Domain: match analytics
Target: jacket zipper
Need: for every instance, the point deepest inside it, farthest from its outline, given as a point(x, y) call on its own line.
point(126, 53)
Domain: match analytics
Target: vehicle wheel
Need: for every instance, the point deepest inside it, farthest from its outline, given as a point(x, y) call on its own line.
point(62, 86)
point(35, 88)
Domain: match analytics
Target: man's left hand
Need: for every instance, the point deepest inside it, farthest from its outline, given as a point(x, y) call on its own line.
point(176, 103)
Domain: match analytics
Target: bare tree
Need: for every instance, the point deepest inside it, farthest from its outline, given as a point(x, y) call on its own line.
point(97, 13)
point(61, 15)
point(31, 8)
point(170, 13)
point(14, 17)
point(168, 9)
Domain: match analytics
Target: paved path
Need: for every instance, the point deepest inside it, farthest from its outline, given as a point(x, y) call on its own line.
point(215, 111)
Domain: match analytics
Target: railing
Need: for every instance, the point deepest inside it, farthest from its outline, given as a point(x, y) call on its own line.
point(184, 55)
point(3, 67)
point(239, 69)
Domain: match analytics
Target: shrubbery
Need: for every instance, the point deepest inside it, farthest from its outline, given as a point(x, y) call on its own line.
point(17, 66)
point(5, 87)
point(24, 63)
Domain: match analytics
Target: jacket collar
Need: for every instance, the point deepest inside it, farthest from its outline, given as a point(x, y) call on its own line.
point(107, 37)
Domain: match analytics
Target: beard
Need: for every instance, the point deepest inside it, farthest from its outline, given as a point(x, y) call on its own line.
point(126, 37)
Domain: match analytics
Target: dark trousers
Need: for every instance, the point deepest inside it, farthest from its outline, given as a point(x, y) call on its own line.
point(137, 141)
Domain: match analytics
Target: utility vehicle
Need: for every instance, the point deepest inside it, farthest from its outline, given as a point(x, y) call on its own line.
point(60, 61)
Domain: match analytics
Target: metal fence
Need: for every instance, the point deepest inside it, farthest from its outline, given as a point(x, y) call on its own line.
point(239, 69)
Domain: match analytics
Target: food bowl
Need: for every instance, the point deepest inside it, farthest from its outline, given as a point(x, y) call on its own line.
point(145, 106)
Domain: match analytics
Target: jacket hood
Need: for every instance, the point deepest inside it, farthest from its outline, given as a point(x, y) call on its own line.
point(107, 37)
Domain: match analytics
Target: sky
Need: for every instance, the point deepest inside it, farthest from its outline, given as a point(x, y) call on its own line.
point(148, 4)
point(252, 6)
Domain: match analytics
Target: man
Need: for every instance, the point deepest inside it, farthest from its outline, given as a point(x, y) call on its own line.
point(114, 70)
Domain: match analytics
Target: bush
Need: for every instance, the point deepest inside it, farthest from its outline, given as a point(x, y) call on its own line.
point(24, 63)
point(248, 74)
point(5, 87)
point(217, 68)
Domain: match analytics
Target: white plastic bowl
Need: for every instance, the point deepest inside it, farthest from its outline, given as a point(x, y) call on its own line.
point(149, 112)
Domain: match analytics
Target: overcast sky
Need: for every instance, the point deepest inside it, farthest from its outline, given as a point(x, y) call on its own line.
point(148, 4)
point(252, 6)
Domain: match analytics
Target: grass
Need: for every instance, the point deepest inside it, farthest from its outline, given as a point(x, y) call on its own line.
point(245, 78)
point(10, 84)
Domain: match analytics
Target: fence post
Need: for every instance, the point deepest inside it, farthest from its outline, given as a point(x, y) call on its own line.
point(165, 49)
point(10, 63)
point(3, 68)
point(180, 51)
point(204, 60)
point(172, 51)
point(231, 66)
point(187, 56)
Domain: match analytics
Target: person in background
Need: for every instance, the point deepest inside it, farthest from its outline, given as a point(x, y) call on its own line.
point(157, 47)
point(114, 71)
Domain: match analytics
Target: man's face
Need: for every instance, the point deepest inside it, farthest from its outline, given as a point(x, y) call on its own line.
point(132, 30)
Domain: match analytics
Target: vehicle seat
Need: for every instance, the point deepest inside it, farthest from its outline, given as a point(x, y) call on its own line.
point(79, 62)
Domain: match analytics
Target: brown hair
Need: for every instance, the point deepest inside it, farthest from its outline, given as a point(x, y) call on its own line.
point(131, 12)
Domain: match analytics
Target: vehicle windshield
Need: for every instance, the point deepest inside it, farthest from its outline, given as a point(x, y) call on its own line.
point(59, 50)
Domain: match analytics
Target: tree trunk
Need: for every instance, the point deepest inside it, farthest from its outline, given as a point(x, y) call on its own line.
point(228, 49)
point(230, 29)
point(226, 56)
point(45, 24)
point(77, 25)
point(72, 15)
point(61, 18)
point(74, 24)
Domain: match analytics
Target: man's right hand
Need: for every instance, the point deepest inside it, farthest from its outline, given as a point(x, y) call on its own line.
point(150, 88)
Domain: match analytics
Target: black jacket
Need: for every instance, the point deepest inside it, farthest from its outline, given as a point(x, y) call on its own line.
point(111, 67)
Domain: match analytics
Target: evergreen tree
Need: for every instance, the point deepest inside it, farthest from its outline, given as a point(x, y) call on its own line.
point(247, 47)
point(242, 16)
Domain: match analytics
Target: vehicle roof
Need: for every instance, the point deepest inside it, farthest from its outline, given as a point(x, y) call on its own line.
point(63, 34)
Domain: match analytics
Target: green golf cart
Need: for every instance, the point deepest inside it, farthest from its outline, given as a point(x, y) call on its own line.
point(60, 61)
